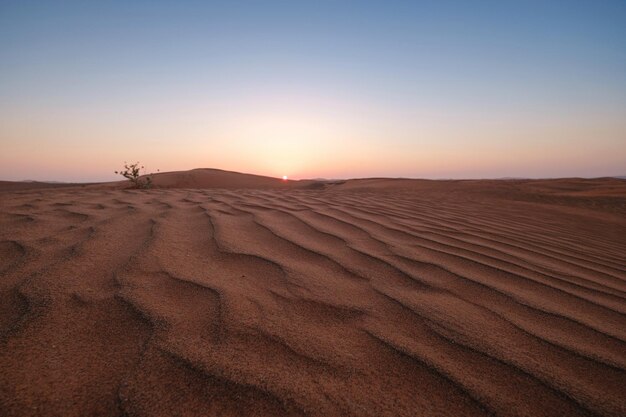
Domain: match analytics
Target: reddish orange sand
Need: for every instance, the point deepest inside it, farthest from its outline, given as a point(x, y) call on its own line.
point(359, 298)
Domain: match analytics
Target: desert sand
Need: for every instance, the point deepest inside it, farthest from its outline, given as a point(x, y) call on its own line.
point(223, 294)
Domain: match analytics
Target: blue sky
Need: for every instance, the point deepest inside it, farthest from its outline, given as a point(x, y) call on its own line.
point(314, 89)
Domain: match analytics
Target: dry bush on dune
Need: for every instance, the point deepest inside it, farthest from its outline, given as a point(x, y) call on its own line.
point(133, 174)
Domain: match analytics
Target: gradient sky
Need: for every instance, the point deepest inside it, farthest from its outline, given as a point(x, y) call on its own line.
point(335, 89)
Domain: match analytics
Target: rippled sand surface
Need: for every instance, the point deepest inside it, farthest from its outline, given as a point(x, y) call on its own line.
point(343, 300)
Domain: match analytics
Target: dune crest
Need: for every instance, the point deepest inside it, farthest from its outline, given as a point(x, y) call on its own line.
point(216, 178)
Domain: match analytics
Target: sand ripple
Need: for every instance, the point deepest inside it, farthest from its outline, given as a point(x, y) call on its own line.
point(315, 302)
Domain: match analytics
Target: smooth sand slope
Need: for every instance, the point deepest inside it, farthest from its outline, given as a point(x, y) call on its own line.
point(212, 178)
point(357, 298)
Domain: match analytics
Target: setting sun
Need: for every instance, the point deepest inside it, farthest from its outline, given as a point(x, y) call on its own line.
point(284, 178)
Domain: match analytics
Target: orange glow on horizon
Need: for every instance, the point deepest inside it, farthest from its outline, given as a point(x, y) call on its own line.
point(309, 138)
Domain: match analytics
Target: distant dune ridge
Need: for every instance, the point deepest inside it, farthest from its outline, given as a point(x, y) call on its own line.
point(228, 294)
point(214, 178)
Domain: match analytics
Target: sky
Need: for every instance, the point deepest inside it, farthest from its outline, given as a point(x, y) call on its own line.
point(313, 89)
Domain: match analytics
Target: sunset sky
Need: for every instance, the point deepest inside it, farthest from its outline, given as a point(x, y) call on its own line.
point(334, 89)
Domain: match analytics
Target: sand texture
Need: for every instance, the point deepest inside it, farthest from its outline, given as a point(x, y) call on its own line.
point(347, 298)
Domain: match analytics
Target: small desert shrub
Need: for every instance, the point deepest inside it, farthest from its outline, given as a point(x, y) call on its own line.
point(132, 173)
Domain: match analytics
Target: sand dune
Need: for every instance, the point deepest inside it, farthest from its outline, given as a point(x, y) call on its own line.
point(233, 295)
point(216, 178)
